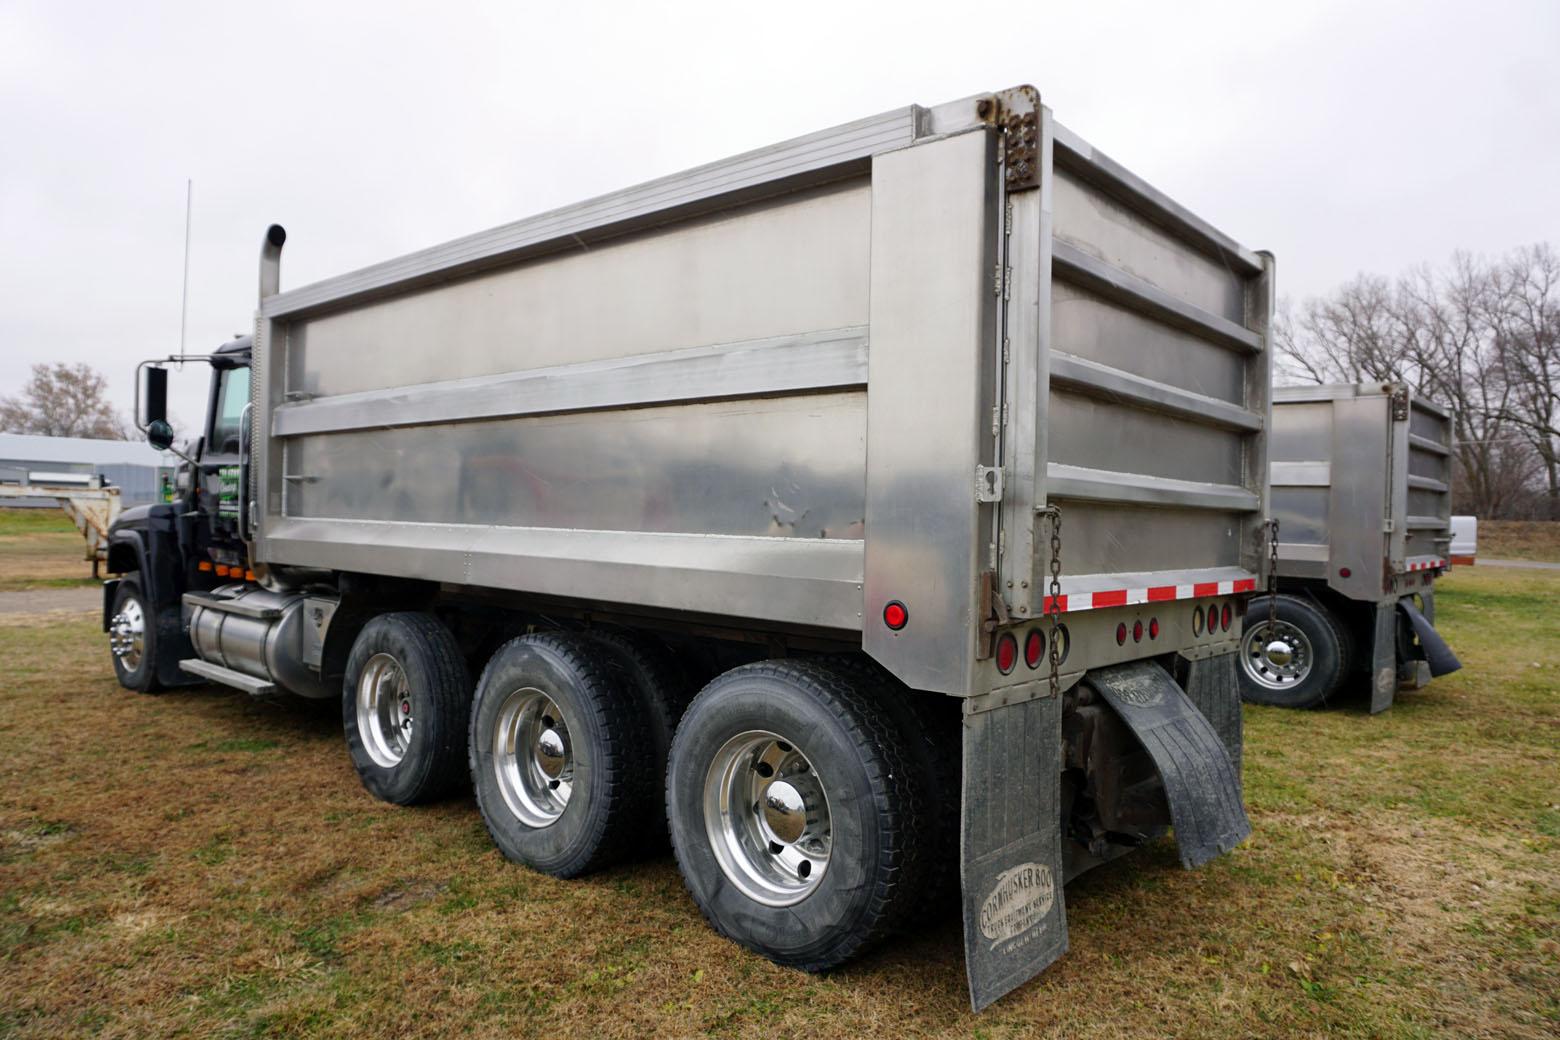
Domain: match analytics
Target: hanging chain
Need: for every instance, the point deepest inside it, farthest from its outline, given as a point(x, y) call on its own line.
point(1051, 606)
point(1272, 577)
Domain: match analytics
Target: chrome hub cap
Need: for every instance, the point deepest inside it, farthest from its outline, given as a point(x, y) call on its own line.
point(1277, 656)
point(127, 635)
point(767, 816)
point(384, 710)
point(533, 757)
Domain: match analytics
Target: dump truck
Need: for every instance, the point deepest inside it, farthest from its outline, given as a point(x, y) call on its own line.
point(1361, 488)
point(869, 516)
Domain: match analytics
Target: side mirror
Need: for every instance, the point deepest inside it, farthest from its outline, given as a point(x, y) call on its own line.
point(155, 393)
point(159, 434)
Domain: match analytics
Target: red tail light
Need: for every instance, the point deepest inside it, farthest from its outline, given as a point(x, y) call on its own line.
point(1226, 617)
point(1034, 648)
point(1007, 653)
point(1137, 631)
point(1121, 634)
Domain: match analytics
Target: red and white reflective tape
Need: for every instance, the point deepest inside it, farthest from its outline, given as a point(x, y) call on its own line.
point(1426, 563)
point(1072, 602)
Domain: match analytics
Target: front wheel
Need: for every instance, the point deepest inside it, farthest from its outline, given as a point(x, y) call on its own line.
point(132, 638)
point(1297, 661)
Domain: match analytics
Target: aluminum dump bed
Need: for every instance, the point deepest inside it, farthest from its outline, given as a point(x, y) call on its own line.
point(790, 387)
point(1361, 487)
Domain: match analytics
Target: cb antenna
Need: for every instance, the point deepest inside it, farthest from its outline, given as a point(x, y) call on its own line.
point(184, 299)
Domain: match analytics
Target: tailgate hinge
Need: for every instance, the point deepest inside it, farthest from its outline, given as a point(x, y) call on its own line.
point(1016, 113)
point(1399, 403)
point(993, 615)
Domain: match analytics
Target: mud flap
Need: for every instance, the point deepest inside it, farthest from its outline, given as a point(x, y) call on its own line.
point(1201, 784)
point(1015, 919)
point(1437, 654)
point(1383, 659)
point(1213, 685)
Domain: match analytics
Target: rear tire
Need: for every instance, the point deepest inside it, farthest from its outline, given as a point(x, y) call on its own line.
point(1316, 669)
point(405, 700)
point(561, 756)
point(653, 676)
point(132, 638)
point(795, 813)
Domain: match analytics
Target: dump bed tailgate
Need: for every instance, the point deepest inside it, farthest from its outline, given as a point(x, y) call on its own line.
point(1159, 388)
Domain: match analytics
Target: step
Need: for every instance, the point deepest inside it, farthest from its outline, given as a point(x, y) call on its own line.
point(228, 677)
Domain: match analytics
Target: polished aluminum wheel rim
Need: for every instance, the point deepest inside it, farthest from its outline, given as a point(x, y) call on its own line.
point(767, 816)
point(533, 757)
point(127, 635)
point(384, 710)
point(1277, 656)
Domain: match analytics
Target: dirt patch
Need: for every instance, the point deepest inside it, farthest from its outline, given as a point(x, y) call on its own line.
point(46, 601)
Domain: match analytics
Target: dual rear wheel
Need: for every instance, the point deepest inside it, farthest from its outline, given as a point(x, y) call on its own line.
point(801, 798)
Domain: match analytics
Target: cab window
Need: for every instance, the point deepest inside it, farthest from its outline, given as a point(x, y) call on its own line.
point(231, 399)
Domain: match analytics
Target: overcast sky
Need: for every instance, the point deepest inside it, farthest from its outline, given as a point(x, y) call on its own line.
point(1342, 136)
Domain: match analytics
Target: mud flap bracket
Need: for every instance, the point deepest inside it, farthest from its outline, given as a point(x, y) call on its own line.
point(1201, 784)
point(1015, 919)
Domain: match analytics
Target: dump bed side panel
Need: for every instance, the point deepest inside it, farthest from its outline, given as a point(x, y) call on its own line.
point(576, 423)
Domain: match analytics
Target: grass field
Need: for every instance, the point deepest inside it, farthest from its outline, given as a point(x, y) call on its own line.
point(1520, 540)
point(41, 549)
point(201, 864)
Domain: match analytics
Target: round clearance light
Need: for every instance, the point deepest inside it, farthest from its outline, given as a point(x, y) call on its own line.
point(1121, 634)
point(1344, 572)
point(1225, 617)
point(1007, 653)
point(1197, 621)
point(1137, 631)
point(1153, 628)
point(1034, 648)
point(896, 615)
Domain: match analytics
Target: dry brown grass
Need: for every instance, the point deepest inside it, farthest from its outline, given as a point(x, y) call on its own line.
point(1520, 539)
point(201, 864)
point(40, 548)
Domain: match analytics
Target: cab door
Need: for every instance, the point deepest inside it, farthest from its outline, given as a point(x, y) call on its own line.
point(220, 460)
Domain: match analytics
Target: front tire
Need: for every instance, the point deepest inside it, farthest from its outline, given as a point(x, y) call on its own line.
point(132, 638)
point(1298, 663)
point(405, 700)
point(794, 813)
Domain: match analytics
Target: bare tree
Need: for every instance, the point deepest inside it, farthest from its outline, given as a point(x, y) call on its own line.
point(63, 400)
point(1525, 312)
point(1452, 336)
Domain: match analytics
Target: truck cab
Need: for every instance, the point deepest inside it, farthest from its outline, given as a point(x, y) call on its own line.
point(190, 543)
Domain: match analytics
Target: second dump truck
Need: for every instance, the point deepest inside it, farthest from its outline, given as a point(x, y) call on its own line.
point(867, 514)
point(1362, 492)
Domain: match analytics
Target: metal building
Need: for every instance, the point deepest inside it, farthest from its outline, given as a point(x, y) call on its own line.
point(135, 467)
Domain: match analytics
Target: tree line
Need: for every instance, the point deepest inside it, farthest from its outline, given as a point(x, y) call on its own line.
point(1478, 336)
